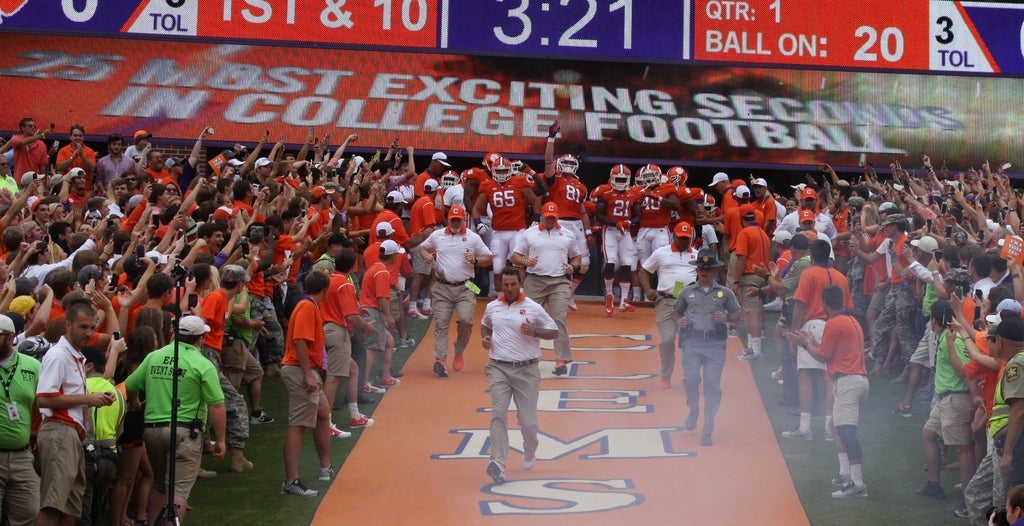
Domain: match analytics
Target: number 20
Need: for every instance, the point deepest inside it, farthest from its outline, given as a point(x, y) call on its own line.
point(890, 45)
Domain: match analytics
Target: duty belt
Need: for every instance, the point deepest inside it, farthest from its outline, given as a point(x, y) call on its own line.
point(666, 295)
point(454, 283)
point(703, 335)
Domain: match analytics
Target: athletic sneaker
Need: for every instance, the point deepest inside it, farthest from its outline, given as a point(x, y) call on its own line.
point(626, 306)
point(362, 421)
point(851, 490)
point(797, 434)
point(902, 410)
point(415, 314)
point(295, 487)
point(827, 435)
point(609, 304)
point(572, 305)
point(458, 362)
point(373, 389)
point(749, 355)
point(260, 417)
point(841, 480)
point(960, 510)
point(561, 368)
point(777, 374)
point(496, 472)
point(338, 433)
point(390, 381)
point(326, 474)
point(440, 368)
point(931, 489)
point(407, 342)
point(528, 463)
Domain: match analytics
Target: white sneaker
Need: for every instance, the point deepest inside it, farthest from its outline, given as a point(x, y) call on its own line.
point(528, 464)
point(326, 474)
point(851, 490)
point(338, 433)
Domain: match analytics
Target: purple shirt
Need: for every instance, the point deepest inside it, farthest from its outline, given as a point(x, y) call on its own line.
point(107, 169)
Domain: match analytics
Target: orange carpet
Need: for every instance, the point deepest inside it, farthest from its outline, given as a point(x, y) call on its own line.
point(612, 448)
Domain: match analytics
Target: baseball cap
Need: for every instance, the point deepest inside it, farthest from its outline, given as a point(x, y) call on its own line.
point(747, 210)
point(262, 161)
point(549, 210)
point(781, 236)
point(76, 172)
point(926, 243)
point(759, 182)
point(193, 325)
point(142, 134)
point(22, 305)
point(742, 191)
point(683, 229)
point(171, 162)
point(1007, 304)
point(222, 213)
point(337, 238)
point(134, 201)
point(1011, 329)
point(887, 207)
point(799, 187)
point(28, 177)
point(19, 321)
point(430, 185)
point(235, 162)
point(89, 273)
point(456, 212)
point(160, 259)
point(386, 228)
point(396, 196)
point(894, 219)
point(720, 177)
point(331, 187)
point(25, 286)
point(316, 192)
point(233, 274)
point(808, 193)
point(441, 158)
point(390, 247)
point(6, 325)
point(842, 182)
point(806, 215)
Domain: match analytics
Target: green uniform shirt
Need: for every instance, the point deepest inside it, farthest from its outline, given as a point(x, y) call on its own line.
point(945, 379)
point(930, 297)
point(197, 387)
point(106, 420)
point(792, 278)
point(245, 333)
point(1010, 386)
point(22, 372)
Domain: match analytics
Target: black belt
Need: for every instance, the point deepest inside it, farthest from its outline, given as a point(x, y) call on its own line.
point(543, 276)
point(570, 219)
point(516, 364)
point(704, 335)
point(13, 450)
point(666, 295)
point(166, 424)
point(454, 283)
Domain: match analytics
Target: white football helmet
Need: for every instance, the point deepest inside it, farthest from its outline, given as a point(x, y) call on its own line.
point(501, 170)
point(709, 202)
point(449, 179)
point(620, 177)
point(517, 167)
point(489, 160)
point(648, 175)
point(677, 175)
point(567, 164)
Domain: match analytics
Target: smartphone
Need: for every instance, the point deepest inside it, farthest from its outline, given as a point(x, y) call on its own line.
point(117, 335)
point(929, 224)
point(949, 231)
point(156, 221)
point(140, 251)
point(193, 300)
point(863, 159)
point(115, 278)
point(1005, 166)
point(944, 207)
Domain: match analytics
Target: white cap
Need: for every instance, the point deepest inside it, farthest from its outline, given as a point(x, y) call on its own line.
point(7, 325)
point(742, 191)
point(193, 326)
point(235, 162)
point(898, 187)
point(430, 185)
point(76, 172)
point(386, 227)
point(114, 210)
point(886, 207)
point(781, 236)
point(759, 182)
point(262, 161)
point(389, 247)
point(358, 161)
point(926, 243)
point(28, 177)
point(161, 259)
point(441, 158)
point(800, 187)
point(396, 196)
point(720, 177)
point(1009, 304)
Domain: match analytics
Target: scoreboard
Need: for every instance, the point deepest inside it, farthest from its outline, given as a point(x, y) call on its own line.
point(926, 36)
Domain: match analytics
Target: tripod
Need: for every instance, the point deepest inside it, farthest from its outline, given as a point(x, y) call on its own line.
point(169, 512)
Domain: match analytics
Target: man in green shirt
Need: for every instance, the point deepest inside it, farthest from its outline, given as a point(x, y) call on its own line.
point(101, 441)
point(19, 483)
point(199, 392)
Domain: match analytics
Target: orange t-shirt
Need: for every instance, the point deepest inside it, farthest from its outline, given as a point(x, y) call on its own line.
point(753, 243)
point(341, 300)
point(734, 224)
point(843, 344)
point(421, 215)
point(812, 282)
point(215, 312)
point(769, 211)
point(400, 236)
point(306, 324)
point(421, 180)
point(987, 378)
point(376, 284)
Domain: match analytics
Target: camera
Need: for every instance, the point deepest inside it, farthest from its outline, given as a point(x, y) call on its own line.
point(195, 428)
point(179, 272)
point(244, 242)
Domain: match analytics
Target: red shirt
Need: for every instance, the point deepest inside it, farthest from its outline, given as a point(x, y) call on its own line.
point(421, 215)
point(567, 193)
point(653, 213)
point(618, 205)
point(508, 206)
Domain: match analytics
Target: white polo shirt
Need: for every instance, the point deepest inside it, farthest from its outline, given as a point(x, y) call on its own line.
point(507, 342)
point(673, 266)
point(62, 373)
point(553, 248)
point(449, 251)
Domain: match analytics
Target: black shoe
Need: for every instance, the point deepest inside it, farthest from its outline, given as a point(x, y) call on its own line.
point(496, 472)
point(931, 489)
point(691, 421)
point(440, 369)
point(364, 400)
point(561, 368)
point(396, 374)
point(705, 440)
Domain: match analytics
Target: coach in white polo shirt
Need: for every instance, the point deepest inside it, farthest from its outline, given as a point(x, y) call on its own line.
point(455, 251)
point(512, 328)
point(551, 256)
point(676, 268)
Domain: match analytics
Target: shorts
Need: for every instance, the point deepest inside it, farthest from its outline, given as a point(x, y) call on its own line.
point(579, 237)
point(303, 406)
point(62, 464)
point(878, 299)
point(804, 360)
point(338, 344)
point(951, 417)
point(397, 303)
point(926, 348)
point(850, 392)
point(239, 365)
point(747, 282)
point(187, 459)
point(377, 340)
point(420, 265)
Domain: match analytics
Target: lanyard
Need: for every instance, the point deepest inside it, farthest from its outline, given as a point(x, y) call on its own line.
point(6, 382)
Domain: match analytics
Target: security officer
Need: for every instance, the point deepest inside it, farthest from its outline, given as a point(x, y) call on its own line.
point(19, 483)
point(701, 312)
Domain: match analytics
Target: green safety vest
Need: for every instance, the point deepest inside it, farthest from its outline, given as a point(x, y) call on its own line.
point(1000, 409)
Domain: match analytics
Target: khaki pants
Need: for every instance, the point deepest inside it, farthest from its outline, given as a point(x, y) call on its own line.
point(62, 463)
point(556, 291)
point(667, 328)
point(508, 383)
point(19, 488)
point(445, 300)
point(239, 365)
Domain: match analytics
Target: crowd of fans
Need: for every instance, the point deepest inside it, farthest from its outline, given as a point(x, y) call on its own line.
point(932, 261)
